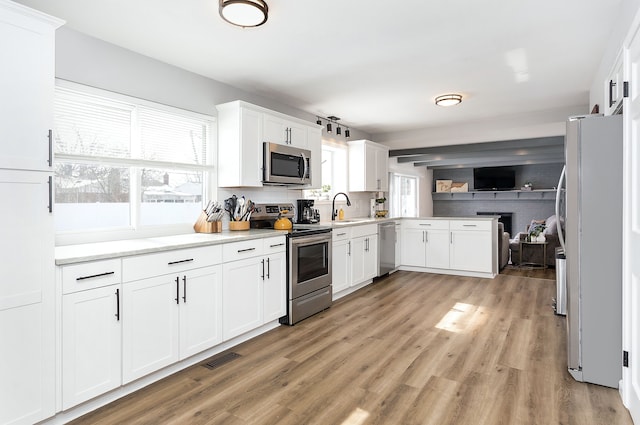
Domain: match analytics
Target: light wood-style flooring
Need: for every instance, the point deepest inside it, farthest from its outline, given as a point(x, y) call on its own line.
point(411, 348)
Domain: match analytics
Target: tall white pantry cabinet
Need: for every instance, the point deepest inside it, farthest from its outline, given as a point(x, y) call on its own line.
point(27, 292)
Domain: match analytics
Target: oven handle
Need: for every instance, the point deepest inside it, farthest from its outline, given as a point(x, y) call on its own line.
point(310, 240)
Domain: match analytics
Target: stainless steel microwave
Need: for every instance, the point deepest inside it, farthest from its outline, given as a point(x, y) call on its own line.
point(286, 165)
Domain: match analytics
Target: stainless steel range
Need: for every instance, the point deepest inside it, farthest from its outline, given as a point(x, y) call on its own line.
point(309, 289)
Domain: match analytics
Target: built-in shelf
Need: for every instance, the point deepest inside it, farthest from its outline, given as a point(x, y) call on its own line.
point(507, 195)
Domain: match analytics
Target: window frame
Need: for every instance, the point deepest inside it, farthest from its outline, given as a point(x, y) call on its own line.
point(135, 165)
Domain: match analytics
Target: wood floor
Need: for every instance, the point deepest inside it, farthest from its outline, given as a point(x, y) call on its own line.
point(412, 348)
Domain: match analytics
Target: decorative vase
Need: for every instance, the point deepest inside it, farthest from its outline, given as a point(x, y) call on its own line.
point(541, 238)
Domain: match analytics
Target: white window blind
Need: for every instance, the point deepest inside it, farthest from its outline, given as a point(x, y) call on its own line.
point(127, 163)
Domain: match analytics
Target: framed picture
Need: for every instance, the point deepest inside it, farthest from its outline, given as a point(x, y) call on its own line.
point(443, 185)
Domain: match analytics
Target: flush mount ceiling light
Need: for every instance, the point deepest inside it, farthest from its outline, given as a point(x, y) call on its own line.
point(448, 99)
point(244, 13)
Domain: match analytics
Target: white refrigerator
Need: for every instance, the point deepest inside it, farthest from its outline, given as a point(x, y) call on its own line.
point(593, 248)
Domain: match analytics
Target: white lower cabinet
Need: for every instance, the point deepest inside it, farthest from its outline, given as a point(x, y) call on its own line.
point(91, 344)
point(450, 246)
point(364, 257)
point(354, 256)
point(168, 318)
point(341, 260)
point(425, 243)
point(471, 246)
point(254, 288)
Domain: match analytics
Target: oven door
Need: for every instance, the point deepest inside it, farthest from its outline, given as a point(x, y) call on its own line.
point(309, 264)
point(286, 165)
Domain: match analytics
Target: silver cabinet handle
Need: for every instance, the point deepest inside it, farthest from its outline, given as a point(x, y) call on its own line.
point(118, 305)
point(425, 224)
point(426, 234)
point(184, 288)
point(268, 269)
point(246, 250)
point(50, 148)
point(469, 225)
point(349, 248)
point(451, 236)
point(341, 234)
point(177, 298)
point(275, 245)
point(50, 182)
point(423, 236)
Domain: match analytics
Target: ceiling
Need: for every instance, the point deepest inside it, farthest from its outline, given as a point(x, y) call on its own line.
point(376, 64)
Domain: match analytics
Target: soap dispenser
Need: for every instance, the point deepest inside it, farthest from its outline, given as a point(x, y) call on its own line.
point(341, 214)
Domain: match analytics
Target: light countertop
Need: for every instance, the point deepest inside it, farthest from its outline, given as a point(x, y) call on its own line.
point(71, 254)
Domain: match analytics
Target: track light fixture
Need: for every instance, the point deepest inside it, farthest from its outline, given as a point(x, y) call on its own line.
point(331, 121)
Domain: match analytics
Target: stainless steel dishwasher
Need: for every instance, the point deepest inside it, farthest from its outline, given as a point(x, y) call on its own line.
point(386, 247)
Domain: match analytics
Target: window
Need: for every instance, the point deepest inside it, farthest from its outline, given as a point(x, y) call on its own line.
point(125, 163)
point(334, 172)
point(403, 191)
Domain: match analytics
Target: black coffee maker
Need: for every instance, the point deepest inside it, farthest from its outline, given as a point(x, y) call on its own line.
point(305, 213)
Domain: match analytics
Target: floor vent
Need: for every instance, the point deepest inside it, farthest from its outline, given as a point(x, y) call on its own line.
point(215, 362)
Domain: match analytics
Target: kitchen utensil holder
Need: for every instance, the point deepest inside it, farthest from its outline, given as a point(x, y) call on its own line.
point(204, 226)
point(238, 225)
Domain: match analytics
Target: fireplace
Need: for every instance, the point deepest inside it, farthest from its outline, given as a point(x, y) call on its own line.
point(505, 218)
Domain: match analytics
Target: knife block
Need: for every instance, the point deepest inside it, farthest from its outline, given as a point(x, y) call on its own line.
point(204, 226)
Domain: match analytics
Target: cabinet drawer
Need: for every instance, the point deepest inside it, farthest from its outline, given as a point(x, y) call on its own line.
point(174, 261)
point(277, 244)
point(244, 249)
point(340, 234)
point(94, 274)
point(367, 229)
point(427, 224)
point(470, 225)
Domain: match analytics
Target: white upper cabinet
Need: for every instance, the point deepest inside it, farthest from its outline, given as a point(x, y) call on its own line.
point(614, 87)
point(27, 47)
point(242, 129)
point(368, 166)
point(284, 132)
point(239, 146)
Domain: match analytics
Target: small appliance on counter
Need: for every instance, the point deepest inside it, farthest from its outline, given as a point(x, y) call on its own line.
point(306, 214)
point(309, 284)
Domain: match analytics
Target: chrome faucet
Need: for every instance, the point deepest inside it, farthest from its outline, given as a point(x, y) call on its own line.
point(334, 213)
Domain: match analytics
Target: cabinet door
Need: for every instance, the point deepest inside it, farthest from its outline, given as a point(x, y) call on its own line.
point(241, 296)
point(471, 251)
point(274, 129)
point(382, 170)
point(413, 247)
point(314, 144)
point(250, 154)
point(297, 135)
point(370, 257)
point(371, 182)
point(27, 331)
point(150, 326)
point(358, 273)
point(275, 287)
point(437, 248)
point(91, 344)
point(340, 262)
point(200, 310)
point(27, 57)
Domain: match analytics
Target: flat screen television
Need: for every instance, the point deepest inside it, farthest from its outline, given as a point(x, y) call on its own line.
point(494, 178)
